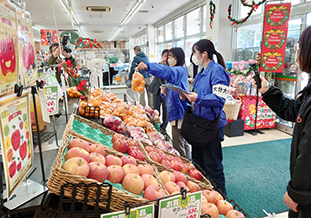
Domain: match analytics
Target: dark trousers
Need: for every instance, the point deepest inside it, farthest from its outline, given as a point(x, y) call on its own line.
point(210, 160)
point(157, 102)
point(300, 214)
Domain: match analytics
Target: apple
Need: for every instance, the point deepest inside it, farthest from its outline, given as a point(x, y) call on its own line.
point(77, 152)
point(77, 166)
point(180, 177)
point(80, 143)
point(218, 195)
point(155, 156)
point(210, 196)
point(223, 207)
point(133, 183)
point(132, 142)
point(115, 173)
point(166, 163)
point(184, 169)
point(97, 157)
point(121, 145)
point(190, 166)
point(176, 165)
point(149, 149)
point(98, 171)
point(178, 159)
point(159, 151)
point(108, 121)
point(145, 169)
point(166, 176)
point(204, 200)
point(194, 173)
point(171, 187)
point(128, 160)
point(132, 149)
point(210, 209)
point(116, 136)
point(182, 184)
point(113, 160)
point(234, 214)
point(175, 192)
point(193, 186)
point(131, 168)
point(153, 192)
point(149, 180)
point(168, 157)
point(137, 154)
point(99, 148)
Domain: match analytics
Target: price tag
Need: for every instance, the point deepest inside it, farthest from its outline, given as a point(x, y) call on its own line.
point(138, 212)
point(51, 93)
point(176, 207)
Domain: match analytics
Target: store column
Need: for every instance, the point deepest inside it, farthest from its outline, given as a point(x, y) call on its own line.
point(151, 42)
point(221, 32)
point(132, 44)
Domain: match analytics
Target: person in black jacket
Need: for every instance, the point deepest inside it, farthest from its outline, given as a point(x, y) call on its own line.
point(154, 88)
point(298, 195)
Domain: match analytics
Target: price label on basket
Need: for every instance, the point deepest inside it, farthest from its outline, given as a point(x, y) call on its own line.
point(138, 212)
point(176, 207)
point(51, 98)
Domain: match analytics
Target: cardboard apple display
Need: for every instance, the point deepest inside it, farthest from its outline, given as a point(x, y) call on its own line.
point(77, 166)
point(133, 183)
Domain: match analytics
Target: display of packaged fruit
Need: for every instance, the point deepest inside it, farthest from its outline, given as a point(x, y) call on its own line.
point(138, 82)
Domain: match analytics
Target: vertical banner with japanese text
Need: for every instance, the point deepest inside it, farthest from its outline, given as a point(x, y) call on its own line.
point(16, 139)
point(274, 37)
point(51, 98)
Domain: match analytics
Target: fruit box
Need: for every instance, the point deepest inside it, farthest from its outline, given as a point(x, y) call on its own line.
point(60, 177)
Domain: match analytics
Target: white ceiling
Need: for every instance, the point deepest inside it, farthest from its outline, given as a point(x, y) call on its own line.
point(42, 15)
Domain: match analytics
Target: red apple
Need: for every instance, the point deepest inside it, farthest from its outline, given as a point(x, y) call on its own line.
point(131, 168)
point(194, 173)
point(132, 142)
point(149, 180)
point(149, 149)
point(132, 149)
point(210, 196)
point(115, 173)
point(99, 148)
point(184, 169)
point(190, 166)
point(121, 145)
point(113, 160)
point(137, 154)
point(133, 183)
point(98, 171)
point(193, 186)
point(80, 143)
point(180, 177)
point(145, 169)
point(116, 136)
point(171, 187)
point(178, 159)
point(128, 160)
point(153, 192)
point(166, 163)
point(204, 200)
point(155, 156)
point(77, 166)
point(97, 157)
point(223, 207)
point(168, 157)
point(77, 152)
point(176, 165)
point(210, 209)
point(234, 214)
point(166, 176)
point(218, 195)
point(182, 184)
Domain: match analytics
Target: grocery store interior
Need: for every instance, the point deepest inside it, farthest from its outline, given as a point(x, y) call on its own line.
point(101, 36)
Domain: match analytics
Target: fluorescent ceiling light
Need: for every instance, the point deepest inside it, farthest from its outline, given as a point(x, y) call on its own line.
point(134, 9)
point(36, 28)
point(81, 32)
point(75, 20)
point(116, 32)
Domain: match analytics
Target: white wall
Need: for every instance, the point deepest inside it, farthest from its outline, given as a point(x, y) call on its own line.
point(151, 39)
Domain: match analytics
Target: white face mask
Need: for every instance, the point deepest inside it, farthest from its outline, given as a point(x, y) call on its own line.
point(172, 62)
point(196, 61)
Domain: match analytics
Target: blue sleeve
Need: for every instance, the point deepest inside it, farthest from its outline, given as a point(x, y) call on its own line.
point(163, 96)
point(170, 74)
point(212, 100)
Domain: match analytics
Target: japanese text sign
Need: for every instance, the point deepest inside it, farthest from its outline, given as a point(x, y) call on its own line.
point(139, 212)
point(51, 98)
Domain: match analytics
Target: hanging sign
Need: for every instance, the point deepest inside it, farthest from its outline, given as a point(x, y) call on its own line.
point(51, 98)
point(8, 48)
point(48, 37)
point(176, 207)
point(274, 37)
point(141, 212)
point(16, 139)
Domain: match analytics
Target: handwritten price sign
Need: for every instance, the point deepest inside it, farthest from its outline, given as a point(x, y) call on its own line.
point(176, 207)
point(51, 93)
point(139, 212)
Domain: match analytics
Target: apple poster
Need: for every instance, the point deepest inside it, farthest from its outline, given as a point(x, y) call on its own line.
point(16, 139)
point(26, 48)
point(8, 48)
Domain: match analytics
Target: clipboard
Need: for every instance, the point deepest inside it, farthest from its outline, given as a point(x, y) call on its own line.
point(175, 89)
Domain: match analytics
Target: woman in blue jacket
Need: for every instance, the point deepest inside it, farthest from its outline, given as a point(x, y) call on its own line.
point(176, 73)
point(207, 99)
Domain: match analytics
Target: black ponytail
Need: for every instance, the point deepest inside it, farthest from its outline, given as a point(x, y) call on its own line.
point(220, 59)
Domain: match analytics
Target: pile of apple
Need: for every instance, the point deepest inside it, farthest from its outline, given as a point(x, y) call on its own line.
point(127, 145)
point(152, 114)
point(114, 123)
point(90, 161)
point(173, 162)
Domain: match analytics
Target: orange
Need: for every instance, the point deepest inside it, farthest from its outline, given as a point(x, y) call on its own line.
point(27, 135)
point(9, 155)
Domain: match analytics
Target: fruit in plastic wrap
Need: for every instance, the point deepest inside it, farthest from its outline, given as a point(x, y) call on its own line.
point(138, 82)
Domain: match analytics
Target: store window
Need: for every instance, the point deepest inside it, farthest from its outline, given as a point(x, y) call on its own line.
point(168, 31)
point(138, 41)
point(161, 34)
point(193, 22)
point(179, 27)
point(204, 18)
point(143, 39)
point(180, 44)
point(308, 22)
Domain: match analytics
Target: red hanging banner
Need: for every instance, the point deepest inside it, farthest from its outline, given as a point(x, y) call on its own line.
point(48, 37)
point(274, 37)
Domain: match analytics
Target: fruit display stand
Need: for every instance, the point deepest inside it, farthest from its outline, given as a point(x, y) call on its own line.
point(60, 177)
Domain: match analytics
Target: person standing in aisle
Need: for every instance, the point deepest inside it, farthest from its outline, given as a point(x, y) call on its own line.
point(175, 73)
point(298, 195)
point(207, 102)
point(142, 57)
point(158, 101)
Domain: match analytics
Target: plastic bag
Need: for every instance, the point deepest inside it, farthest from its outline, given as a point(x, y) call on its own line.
point(138, 82)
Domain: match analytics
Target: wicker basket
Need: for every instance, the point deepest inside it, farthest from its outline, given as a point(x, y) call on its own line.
point(232, 110)
point(60, 177)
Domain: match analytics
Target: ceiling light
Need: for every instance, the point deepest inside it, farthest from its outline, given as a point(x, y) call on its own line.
point(115, 33)
point(75, 20)
point(82, 32)
point(134, 9)
point(36, 28)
